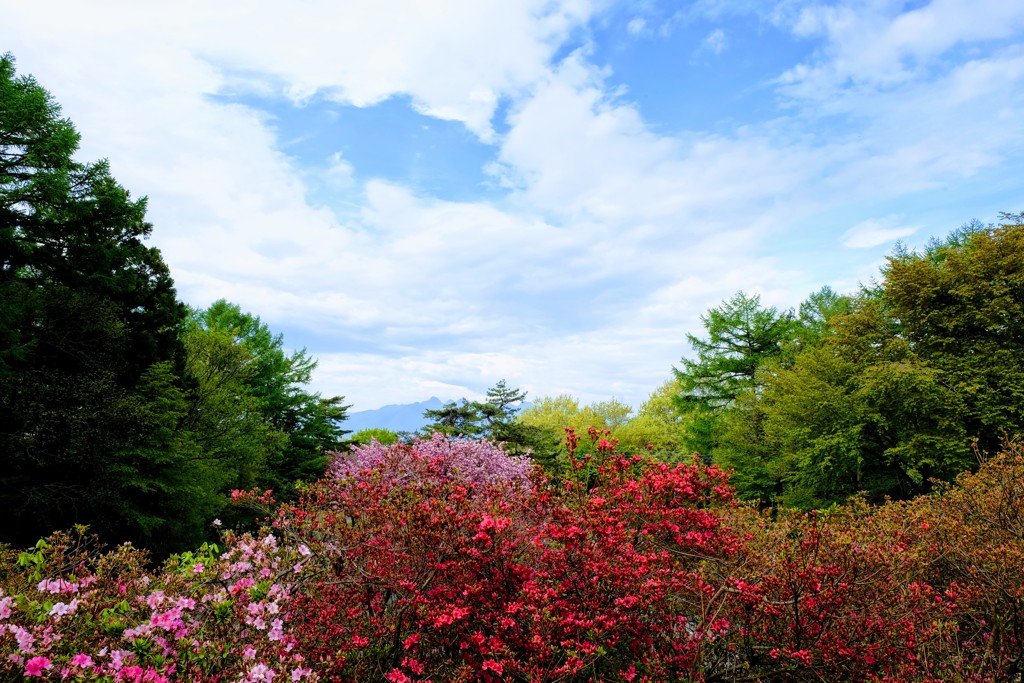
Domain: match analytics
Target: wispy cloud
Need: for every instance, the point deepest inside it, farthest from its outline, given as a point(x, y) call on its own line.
point(637, 26)
point(715, 42)
point(876, 232)
point(872, 44)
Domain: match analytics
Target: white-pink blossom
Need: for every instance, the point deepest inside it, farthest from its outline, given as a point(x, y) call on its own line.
point(458, 459)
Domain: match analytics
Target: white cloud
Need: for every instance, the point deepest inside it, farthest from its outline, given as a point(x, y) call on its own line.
point(715, 41)
point(876, 232)
point(873, 44)
point(614, 237)
point(581, 154)
point(339, 174)
point(636, 26)
point(454, 58)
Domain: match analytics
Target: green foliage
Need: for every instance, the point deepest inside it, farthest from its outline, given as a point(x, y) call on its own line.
point(551, 416)
point(455, 419)
point(841, 426)
point(815, 313)
point(250, 410)
point(385, 437)
point(859, 412)
point(961, 306)
point(118, 408)
point(555, 413)
point(87, 312)
point(888, 390)
point(742, 336)
point(657, 426)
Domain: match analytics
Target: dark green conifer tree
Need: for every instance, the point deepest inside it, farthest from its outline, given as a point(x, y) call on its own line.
point(88, 319)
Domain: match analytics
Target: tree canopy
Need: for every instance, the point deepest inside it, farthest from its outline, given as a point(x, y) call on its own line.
point(244, 376)
point(119, 407)
point(741, 337)
point(88, 319)
point(886, 390)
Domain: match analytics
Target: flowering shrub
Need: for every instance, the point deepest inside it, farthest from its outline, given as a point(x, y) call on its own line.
point(413, 569)
point(926, 590)
point(69, 614)
point(426, 576)
point(468, 460)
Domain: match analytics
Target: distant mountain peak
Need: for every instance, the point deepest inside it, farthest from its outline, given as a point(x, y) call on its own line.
point(398, 417)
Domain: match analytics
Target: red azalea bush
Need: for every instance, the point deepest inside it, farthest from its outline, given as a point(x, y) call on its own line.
point(925, 590)
point(431, 576)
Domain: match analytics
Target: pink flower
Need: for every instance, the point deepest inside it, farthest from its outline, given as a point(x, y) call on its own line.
point(36, 666)
point(491, 665)
point(119, 657)
point(242, 584)
point(60, 609)
point(81, 660)
point(57, 586)
point(26, 641)
point(131, 673)
point(261, 672)
point(5, 606)
point(276, 630)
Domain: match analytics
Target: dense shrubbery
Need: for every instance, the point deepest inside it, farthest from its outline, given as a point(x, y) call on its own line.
point(410, 569)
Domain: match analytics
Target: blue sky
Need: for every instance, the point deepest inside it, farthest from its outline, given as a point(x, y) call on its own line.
point(435, 195)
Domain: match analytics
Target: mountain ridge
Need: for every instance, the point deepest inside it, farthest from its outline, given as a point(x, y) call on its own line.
point(398, 417)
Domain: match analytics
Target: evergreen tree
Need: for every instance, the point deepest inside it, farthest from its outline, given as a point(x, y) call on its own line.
point(495, 419)
point(282, 431)
point(87, 314)
point(455, 419)
point(742, 336)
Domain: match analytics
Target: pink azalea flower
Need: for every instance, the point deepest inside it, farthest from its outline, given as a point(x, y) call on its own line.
point(5, 606)
point(81, 660)
point(260, 672)
point(26, 641)
point(36, 666)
